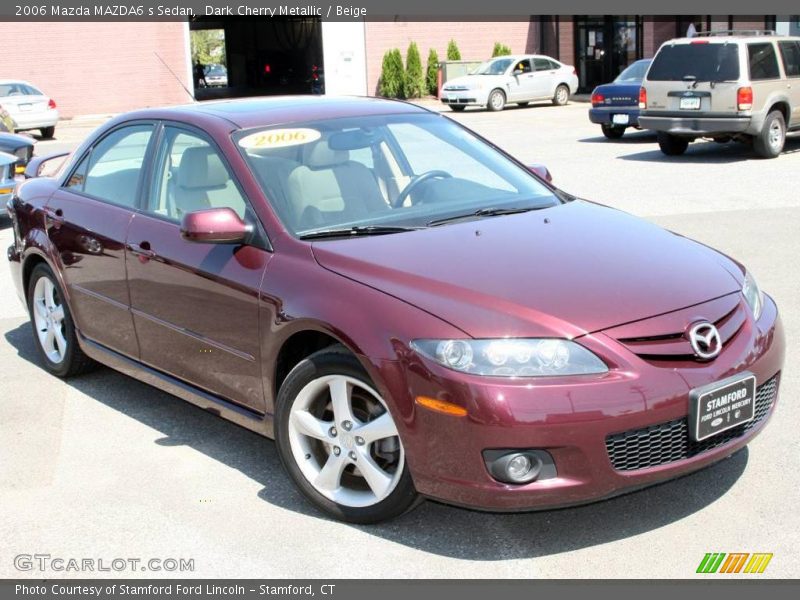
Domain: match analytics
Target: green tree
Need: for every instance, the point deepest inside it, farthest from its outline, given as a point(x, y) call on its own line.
point(208, 46)
point(500, 50)
point(431, 73)
point(453, 53)
point(391, 83)
point(414, 80)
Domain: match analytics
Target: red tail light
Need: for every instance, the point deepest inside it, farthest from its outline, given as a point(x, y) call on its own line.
point(51, 103)
point(642, 98)
point(598, 98)
point(744, 98)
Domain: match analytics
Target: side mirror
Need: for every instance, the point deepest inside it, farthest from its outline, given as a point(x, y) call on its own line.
point(45, 166)
point(214, 226)
point(541, 171)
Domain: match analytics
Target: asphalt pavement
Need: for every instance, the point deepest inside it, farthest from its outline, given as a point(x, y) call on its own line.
point(105, 467)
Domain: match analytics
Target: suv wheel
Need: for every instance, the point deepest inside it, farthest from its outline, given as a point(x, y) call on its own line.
point(339, 442)
point(672, 145)
point(769, 142)
point(611, 132)
point(53, 328)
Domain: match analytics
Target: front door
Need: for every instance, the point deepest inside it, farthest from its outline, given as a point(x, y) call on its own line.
point(195, 305)
point(520, 86)
point(88, 220)
point(790, 55)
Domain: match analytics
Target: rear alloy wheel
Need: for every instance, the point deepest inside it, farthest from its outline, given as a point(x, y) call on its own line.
point(497, 100)
point(457, 107)
point(672, 145)
point(770, 141)
point(53, 327)
point(561, 97)
point(611, 132)
point(339, 442)
point(48, 132)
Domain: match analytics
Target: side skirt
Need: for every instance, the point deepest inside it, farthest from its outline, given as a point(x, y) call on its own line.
point(258, 423)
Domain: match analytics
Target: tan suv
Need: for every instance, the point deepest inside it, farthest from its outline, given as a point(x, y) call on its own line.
point(726, 85)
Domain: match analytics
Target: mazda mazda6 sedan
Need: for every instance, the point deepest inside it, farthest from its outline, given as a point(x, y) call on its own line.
point(407, 310)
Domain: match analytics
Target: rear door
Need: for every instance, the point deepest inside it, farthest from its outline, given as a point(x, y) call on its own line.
point(88, 219)
point(544, 78)
point(195, 305)
point(790, 55)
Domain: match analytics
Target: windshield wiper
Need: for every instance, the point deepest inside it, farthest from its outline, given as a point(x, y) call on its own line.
point(484, 212)
point(356, 231)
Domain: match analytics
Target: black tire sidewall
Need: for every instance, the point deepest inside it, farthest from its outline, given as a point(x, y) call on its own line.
point(489, 104)
point(320, 364)
point(61, 369)
point(611, 132)
point(555, 95)
point(762, 145)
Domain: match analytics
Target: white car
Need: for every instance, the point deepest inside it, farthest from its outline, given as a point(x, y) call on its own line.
point(518, 79)
point(28, 106)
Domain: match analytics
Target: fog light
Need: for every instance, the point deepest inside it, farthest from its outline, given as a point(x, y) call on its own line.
point(519, 467)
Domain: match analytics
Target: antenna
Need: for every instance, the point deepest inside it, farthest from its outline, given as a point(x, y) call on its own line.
point(180, 83)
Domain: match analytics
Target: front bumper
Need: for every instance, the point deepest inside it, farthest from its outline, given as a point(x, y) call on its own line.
point(686, 125)
point(572, 420)
point(464, 97)
point(605, 115)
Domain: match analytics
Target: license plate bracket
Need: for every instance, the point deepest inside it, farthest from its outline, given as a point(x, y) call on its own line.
point(721, 405)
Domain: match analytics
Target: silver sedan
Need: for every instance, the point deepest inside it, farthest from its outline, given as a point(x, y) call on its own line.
point(28, 107)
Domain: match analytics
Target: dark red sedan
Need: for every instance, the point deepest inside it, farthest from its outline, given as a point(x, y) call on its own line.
point(407, 310)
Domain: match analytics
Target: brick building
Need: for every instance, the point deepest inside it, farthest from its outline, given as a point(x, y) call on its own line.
point(96, 67)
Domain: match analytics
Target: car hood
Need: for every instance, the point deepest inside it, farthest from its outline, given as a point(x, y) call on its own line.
point(472, 81)
point(562, 271)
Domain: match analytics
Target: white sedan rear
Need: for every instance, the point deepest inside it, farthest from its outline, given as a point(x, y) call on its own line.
point(28, 106)
point(512, 79)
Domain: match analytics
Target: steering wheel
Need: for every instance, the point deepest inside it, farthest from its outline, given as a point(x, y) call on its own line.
point(401, 197)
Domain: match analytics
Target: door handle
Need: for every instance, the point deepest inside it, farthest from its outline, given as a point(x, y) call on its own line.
point(142, 249)
point(56, 216)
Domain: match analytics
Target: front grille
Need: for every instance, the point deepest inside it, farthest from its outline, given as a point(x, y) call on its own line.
point(667, 442)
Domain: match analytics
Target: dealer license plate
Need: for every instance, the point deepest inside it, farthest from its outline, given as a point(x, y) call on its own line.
point(721, 405)
point(690, 103)
point(620, 119)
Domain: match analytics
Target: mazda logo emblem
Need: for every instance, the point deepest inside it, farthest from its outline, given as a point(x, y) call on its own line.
point(705, 340)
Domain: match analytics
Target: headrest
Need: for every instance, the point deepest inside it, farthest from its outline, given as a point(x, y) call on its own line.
point(320, 156)
point(201, 167)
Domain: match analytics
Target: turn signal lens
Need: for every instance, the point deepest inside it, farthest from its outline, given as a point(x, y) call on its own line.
point(744, 98)
point(598, 98)
point(642, 98)
point(441, 406)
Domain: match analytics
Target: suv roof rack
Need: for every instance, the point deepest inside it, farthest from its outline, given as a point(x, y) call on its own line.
point(747, 32)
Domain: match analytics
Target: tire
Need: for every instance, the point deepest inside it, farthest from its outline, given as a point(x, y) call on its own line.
point(770, 140)
point(457, 107)
point(53, 327)
point(522, 104)
point(48, 132)
point(672, 145)
point(611, 132)
point(561, 95)
point(496, 101)
point(320, 447)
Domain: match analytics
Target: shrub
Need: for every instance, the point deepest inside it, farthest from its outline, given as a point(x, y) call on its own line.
point(431, 73)
point(414, 80)
point(453, 53)
point(391, 83)
point(500, 50)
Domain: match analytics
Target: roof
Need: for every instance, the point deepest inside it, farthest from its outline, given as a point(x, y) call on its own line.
point(722, 39)
point(259, 112)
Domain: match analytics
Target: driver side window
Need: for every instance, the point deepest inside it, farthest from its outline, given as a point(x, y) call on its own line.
point(191, 175)
point(523, 66)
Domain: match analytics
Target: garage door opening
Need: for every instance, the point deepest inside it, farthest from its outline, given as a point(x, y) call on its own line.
point(234, 57)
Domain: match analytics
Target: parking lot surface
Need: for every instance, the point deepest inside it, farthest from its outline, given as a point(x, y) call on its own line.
point(103, 466)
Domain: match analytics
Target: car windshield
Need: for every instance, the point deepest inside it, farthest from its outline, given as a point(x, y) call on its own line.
point(493, 67)
point(216, 70)
point(634, 73)
point(701, 61)
point(384, 171)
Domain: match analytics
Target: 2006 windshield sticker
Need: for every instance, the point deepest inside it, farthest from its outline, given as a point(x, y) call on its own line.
point(279, 138)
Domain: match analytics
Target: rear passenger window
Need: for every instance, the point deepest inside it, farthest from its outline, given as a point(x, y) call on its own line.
point(542, 64)
point(790, 52)
point(763, 62)
point(111, 170)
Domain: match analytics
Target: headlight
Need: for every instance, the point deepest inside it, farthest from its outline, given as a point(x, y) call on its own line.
point(545, 357)
point(753, 295)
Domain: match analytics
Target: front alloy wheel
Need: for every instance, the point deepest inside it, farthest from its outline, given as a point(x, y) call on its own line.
point(339, 442)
